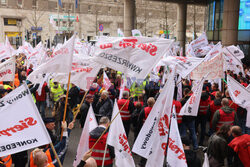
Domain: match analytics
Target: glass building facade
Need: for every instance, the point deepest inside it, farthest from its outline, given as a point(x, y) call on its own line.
point(215, 21)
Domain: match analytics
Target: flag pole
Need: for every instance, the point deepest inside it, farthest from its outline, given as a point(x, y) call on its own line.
point(66, 101)
point(105, 151)
point(55, 153)
point(110, 123)
point(78, 109)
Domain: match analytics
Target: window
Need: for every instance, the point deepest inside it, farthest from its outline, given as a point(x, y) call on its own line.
point(19, 2)
point(34, 3)
point(12, 22)
point(89, 8)
point(3, 2)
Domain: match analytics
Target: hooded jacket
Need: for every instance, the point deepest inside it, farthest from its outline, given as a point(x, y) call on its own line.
point(216, 117)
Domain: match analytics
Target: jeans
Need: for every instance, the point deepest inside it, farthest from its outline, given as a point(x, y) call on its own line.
point(201, 120)
point(191, 127)
point(41, 107)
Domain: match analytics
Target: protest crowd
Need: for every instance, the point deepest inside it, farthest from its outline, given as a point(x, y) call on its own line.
point(171, 106)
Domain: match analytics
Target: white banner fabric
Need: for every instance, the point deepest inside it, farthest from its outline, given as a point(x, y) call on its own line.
point(118, 139)
point(192, 105)
point(22, 127)
point(151, 141)
point(214, 66)
point(83, 145)
point(175, 153)
point(7, 69)
point(133, 56)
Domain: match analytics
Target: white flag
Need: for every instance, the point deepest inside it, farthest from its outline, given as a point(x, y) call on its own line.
point(175, 151)
point(192, 105)
point(83, 146)
point(24, 129)
point(239, 95)
point(60, 62)
point(136, 33)
point(7, 69)
point(133, 56)
point(151, 141)
point(200, 42)
point(184, 64)
point(205, 162)
point(83, 73)
point(248, 87)
point(120, 33)
point(106, 81)
point(118, 139)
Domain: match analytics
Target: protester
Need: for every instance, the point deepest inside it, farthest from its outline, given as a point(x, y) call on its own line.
point(213, 107)
point(191, 157)
point(46, 157)
point(50, 126)
point(201, 119)
point(240, 146)
point(188, 122)
point(126, 107)
point(98, 150)
point(87, 160)
point(225, 115)
point(105, 105)
point(85, 108)
point(6, 160)
point(217, 146)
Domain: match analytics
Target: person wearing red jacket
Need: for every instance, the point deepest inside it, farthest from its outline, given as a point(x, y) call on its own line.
point(126, 107)
point(241, 147)
point(41, 99)
point(99, 149)
point(213, 107)
point(201, 119)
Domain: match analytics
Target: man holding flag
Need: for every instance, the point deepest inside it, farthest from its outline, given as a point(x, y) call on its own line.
point(100, 149)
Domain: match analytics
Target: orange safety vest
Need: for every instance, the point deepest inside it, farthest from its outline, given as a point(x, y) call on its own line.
point(7, 160)
point(204, 104)
point(225, 118)
point(99, 149)
point(47, 152)
point(125, 113)
point(146, 112)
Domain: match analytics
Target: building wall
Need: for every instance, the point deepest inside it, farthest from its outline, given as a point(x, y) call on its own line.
point(151, 17)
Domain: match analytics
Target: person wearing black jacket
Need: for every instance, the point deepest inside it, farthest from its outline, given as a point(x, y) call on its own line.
point(104, 105)
point(188, 121)
point(85, 108)
point(191, 157)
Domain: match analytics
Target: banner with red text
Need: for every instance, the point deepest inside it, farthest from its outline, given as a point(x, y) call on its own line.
point(7, 69)
point(239, 95)
point(151, 141)
point(83, 145)
point(184, 65)
point(213, 66)
point(60, 62)
point(175, 151)
point(133, 56)
point(22, 127)
point(83, 74)
point(118, 139)
point(192, 105)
